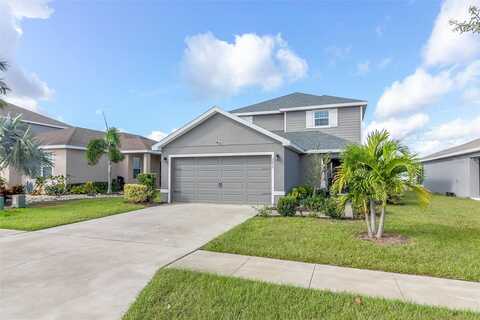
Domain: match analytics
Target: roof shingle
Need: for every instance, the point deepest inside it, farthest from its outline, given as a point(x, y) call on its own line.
point(29, 115)
point(314, 140)
point(79, 137)
point(293, 100)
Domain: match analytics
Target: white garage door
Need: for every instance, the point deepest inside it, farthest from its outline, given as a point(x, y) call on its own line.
point(239, 180)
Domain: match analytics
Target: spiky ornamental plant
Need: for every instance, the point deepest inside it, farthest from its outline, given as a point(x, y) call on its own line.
point(373, 172)
point(19, 149)
point(109, 146)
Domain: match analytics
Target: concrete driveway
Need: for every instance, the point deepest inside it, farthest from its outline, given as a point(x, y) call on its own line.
point(95, 269)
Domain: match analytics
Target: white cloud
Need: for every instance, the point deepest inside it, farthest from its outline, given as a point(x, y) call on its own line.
point(157, 135)
point(379, 31)
point(471, 95)
point(469, 74)
point(26, 87)
point(446, 46)
point(456, 129)
point(363, 68)
point(218, 68)
point(400, 128)
point(416, 90)
point(447, 134)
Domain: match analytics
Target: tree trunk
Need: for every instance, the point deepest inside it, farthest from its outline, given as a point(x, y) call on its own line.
point(109, 183)
point(369, 228)
point(381, 224)
point(373, 217)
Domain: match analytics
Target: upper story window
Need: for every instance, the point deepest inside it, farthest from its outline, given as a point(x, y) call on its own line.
point(320, 118)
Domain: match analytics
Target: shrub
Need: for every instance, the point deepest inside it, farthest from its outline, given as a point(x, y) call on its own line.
point(89, 187)
point(148, 180)
point(287, 206)
point(77, 189)
point(331, 208)
point(314, 203)
point(301, 193)
point(99, 187)
point(264, 211)
point(136, 193)
point(55, 185)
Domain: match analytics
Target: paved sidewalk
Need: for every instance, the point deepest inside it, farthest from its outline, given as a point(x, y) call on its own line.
point(454, 294)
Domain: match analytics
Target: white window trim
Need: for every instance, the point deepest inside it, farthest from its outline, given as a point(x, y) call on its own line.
point(272, 167)
point(332, 120)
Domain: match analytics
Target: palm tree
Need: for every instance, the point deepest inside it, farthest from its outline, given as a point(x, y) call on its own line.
point(19, 149)
point(109, 146)
point(3, 86)
point(375, 171)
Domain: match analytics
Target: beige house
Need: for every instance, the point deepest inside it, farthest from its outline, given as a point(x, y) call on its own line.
point(67, 146)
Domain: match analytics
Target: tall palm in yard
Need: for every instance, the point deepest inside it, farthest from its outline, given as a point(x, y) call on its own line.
point(109, 146)
point(3, 86)
point(376, 171)
point(19, 149)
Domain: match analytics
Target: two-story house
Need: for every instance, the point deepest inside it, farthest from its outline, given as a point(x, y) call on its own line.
point(257, 153)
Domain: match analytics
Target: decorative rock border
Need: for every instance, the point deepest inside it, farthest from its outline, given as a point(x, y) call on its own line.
point(46, 198)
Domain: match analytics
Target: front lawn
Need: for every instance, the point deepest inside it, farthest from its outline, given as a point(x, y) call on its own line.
point(46, 215)
point(175, 294)
point(444, 240)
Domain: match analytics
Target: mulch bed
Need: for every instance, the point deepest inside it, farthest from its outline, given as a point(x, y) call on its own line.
point(387, 239)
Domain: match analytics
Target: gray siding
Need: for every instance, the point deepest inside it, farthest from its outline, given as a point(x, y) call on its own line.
point(292, 170)
point(222, 135)
point(272, 122)
point(349, 123)
point(459, 175)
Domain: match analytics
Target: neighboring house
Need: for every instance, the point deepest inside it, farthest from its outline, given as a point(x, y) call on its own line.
point(455, 170)
point(67, 146)
point(255, 154)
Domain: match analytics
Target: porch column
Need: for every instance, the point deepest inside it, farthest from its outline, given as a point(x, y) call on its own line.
point(147, 161)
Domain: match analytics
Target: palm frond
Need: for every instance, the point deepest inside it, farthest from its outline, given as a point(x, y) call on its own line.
point(95, 149)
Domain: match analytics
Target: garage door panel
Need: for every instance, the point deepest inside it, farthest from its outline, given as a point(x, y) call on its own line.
point(243, 179)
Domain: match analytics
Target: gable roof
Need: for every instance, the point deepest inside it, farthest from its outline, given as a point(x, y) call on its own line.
point(215, 110)
point(78, 138)
point(31, 117)
point(315, 141)
point(297, 101)
point(466, 148)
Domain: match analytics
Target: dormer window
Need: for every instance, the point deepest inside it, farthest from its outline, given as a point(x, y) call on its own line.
point(320, 118)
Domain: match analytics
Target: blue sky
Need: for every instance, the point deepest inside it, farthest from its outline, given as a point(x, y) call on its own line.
point(152, 65)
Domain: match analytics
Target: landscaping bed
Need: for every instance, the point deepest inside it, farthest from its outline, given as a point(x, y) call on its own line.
point(442, 240)
point(50, 214)
point(31, 199)
point(176, 294)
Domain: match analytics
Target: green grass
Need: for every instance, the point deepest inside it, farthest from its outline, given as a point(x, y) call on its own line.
point(47, 215)
point(175, 294)
point(445, 240)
